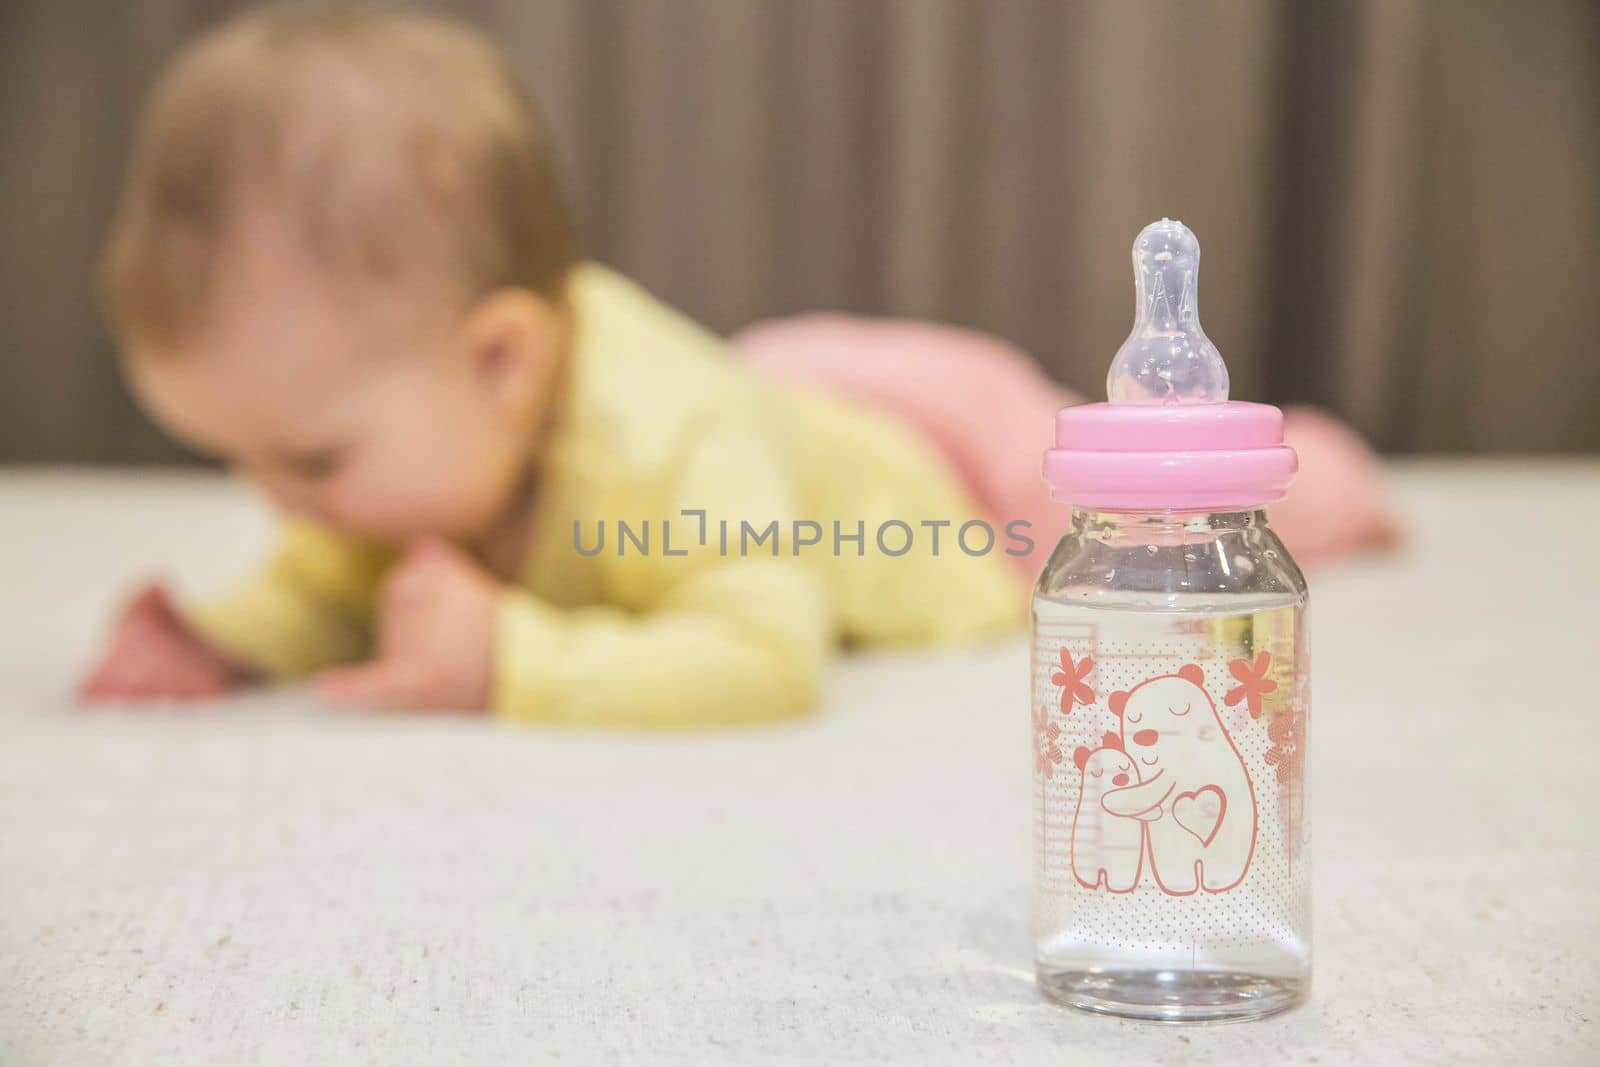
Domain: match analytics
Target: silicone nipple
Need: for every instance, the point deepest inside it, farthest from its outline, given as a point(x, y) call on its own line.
point(1167, 359)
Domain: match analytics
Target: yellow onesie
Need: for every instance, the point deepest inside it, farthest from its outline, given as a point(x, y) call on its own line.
point(701, 610)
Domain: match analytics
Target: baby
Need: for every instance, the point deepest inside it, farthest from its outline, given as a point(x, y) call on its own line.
point(342, 264)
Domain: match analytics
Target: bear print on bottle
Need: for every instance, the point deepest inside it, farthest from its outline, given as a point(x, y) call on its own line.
point(1107, 850)
point(1192, 796)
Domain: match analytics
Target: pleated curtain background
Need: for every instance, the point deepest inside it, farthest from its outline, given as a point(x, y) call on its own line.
point(1399, 201)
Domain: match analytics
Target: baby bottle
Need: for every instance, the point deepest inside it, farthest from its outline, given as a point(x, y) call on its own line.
point(1171, 686)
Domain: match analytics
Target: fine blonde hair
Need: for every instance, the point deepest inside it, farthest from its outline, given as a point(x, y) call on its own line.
point(396, 145)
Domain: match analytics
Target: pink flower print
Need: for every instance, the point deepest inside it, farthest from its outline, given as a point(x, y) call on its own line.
point(1253, 682)
point(1287, 731)
point(1046, 747)
point(1074, 690)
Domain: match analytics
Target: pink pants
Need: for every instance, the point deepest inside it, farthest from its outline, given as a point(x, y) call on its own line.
point(990, 411)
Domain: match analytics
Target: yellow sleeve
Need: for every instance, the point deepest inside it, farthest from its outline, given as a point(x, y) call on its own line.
point(903, 499)
point(743, 642)
point(309, 607)
point(690, 640)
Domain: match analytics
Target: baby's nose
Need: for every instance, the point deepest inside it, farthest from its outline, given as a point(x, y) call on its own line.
point(1145, 737)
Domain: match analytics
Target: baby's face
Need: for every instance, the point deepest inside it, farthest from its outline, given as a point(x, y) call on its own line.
point(1112, 767)
point(368, 419)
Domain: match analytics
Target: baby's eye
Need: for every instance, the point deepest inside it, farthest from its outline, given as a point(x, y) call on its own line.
point(1095, 772)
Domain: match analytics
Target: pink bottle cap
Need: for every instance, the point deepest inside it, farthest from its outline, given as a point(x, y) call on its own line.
point(1169, 439)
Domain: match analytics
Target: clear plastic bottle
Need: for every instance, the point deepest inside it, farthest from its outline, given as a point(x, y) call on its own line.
point(1171, 691)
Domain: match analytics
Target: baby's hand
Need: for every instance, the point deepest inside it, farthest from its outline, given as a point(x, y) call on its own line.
point(153, 655)
point(436, 628)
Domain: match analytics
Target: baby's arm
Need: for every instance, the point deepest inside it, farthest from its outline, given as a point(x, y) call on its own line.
point(730, 643)
point(308, 607)
point(684, 640)
point(740, 642)
point(1141, 801)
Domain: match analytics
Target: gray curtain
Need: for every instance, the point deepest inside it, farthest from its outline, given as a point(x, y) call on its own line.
point(1399, 201)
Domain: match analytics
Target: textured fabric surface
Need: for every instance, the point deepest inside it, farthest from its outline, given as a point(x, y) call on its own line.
point(271, 882)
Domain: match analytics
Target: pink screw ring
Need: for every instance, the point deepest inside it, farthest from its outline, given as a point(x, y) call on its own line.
point(1226, 456)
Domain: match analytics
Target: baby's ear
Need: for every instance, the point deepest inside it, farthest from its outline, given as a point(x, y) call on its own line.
point(511, 336)
point(1080, 756)
point(1111, 740)
point(1118, 701)
point(1191, 672)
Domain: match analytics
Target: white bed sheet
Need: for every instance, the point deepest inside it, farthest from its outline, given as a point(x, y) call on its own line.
point(269, 881)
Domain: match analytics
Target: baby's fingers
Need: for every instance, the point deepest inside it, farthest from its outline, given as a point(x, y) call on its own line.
point(121, 675)
point(100, 685)
point(379, 684)
point(139, 681)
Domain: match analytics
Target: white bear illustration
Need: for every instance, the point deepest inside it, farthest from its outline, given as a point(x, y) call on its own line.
point(1106, 848)
point(1192, 788)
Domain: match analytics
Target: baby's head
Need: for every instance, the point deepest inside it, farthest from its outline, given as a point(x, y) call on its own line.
point(1107, 762)
point(340, 265)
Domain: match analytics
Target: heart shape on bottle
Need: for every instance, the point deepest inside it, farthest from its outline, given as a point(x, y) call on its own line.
point(1195, 812)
